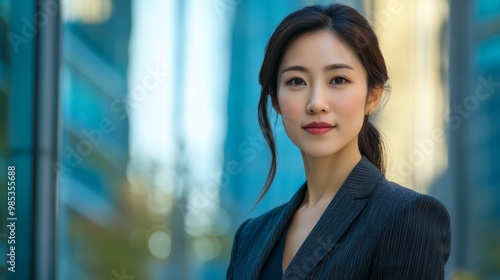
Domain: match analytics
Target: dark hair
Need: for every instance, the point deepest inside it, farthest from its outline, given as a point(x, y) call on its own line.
point(352, 29)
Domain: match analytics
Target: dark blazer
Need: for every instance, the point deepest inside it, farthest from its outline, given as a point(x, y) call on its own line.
point(372, 229)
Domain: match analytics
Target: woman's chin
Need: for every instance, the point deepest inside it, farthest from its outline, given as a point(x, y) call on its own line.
point(317, 152)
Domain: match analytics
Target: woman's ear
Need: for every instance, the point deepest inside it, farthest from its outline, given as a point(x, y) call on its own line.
point(373, 99)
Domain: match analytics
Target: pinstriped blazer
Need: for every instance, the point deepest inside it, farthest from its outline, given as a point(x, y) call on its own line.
point(372, 229)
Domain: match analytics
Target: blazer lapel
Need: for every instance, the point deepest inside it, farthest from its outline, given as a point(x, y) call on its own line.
point(338, 216)
point(271, 236)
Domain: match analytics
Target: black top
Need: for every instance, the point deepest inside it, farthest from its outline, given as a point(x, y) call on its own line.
point(272, 269)
point(372, 229)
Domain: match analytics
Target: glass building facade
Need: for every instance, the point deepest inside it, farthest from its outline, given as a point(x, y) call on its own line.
point(474, 135)
point(17, 83)
point(94, 150)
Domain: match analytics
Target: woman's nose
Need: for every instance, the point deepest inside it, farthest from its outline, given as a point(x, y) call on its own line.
point(317, 102)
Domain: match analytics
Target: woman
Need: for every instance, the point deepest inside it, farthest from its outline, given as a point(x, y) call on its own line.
point(324, 74)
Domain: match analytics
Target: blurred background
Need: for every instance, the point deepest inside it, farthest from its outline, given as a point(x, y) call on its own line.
point(132, 126)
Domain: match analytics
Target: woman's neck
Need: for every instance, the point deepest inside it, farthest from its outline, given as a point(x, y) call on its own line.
point(326, 175)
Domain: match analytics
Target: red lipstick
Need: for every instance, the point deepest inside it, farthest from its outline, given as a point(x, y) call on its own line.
point(318, 128)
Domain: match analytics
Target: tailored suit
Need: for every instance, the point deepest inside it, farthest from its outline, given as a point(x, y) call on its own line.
point(372, 229)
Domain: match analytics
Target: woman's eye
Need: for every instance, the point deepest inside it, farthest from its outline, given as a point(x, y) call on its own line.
point(339, 80)
point(296, 82)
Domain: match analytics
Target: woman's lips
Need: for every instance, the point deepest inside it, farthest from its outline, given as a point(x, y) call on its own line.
point(318, 128)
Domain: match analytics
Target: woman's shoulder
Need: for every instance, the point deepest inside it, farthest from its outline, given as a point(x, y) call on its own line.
point(409, 224)
point(400, 195)
point(398, 201)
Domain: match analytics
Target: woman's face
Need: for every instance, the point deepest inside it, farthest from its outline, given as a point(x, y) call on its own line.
point(322, 95)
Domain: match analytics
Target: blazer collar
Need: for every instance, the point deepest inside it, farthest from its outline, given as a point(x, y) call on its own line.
point(362, 179)
point(339, 214)
point(278, 223)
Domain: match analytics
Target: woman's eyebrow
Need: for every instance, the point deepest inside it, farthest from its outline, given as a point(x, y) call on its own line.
point(337, 66)
point(326, 69)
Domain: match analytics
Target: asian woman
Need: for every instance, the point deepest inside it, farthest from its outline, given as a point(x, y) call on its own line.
point(324, 73)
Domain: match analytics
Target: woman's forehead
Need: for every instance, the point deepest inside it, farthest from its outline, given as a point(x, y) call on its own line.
point(319, 49)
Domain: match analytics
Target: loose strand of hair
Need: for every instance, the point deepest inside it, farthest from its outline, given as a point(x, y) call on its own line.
point(265, 127)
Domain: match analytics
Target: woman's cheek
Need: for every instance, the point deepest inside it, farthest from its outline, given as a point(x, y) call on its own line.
point(288, 109)
point(349, 106)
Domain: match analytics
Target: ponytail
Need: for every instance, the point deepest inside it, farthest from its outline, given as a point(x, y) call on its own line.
point(371, 145)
